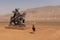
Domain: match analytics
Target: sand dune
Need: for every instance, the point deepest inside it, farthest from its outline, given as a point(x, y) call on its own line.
point(48, 13)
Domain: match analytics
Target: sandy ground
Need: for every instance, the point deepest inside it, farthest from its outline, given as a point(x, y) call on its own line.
point(43, 32)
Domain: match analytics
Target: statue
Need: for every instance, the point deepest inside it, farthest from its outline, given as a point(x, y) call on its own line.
point(17, 18)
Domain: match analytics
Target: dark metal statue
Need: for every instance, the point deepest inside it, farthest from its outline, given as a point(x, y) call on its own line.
point(17, 19)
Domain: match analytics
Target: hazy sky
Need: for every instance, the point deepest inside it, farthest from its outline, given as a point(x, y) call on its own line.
point(6, 6)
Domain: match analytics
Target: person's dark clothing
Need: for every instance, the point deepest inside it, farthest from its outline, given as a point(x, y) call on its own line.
point(33, 28)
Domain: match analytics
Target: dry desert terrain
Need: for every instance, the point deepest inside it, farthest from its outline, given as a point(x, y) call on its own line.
point(47, 25)
point(43, 32)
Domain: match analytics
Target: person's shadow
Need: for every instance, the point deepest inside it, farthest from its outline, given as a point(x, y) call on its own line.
point(31, 32)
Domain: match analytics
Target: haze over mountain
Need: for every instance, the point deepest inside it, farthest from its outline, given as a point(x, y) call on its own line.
point(44, 14)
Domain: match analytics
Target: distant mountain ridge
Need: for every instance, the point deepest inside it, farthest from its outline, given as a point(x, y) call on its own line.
point(47, 13)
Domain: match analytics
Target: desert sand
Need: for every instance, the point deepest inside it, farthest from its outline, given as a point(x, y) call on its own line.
point(43, 32)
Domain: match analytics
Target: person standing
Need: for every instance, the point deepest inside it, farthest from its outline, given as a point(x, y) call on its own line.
point(33, 28)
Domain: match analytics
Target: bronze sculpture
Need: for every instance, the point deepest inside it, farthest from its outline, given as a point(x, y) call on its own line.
point(17, 18)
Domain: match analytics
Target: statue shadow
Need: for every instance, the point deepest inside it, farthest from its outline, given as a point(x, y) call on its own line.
point(15, 27)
